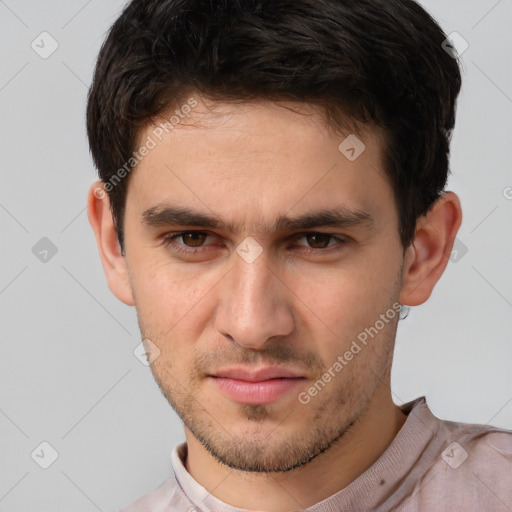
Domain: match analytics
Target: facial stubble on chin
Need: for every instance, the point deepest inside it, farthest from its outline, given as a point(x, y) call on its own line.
point(255, 452)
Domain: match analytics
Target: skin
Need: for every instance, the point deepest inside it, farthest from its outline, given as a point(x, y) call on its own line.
point(250, 164)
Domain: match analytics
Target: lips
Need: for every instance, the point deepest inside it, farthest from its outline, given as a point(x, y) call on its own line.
point(256, 375)
point(256, 386)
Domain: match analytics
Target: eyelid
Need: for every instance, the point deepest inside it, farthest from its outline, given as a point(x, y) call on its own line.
point(172, 237)
point(339, 238)
point(169, 240)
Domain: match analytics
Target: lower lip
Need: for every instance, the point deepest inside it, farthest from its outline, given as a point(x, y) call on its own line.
point(262, 392)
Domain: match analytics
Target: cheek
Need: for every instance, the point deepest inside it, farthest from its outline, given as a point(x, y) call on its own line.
point(172, 312)
point(344, 291)
point(166, 295)
point(336, 306)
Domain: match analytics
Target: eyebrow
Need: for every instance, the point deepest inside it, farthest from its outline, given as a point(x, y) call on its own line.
point(341, 217)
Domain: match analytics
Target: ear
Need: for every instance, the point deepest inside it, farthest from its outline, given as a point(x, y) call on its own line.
point(114, 262)
point(427, 256)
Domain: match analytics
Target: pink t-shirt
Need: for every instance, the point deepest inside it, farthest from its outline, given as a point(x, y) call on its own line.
point(431, 465)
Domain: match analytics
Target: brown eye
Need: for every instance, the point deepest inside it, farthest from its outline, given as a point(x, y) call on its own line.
point(193, 239)
point(318, 240)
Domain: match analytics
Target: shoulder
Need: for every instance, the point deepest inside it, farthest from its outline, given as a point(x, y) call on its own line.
point(471, 469)
point(477, 444)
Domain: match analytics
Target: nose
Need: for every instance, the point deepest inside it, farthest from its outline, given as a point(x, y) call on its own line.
point(254, 304)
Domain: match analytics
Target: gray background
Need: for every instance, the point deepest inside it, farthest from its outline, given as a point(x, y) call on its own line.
point(68, 375)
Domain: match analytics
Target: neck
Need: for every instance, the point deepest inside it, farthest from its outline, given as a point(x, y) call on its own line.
point(328, 473)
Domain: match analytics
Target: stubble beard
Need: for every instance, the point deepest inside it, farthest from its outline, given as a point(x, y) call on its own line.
point(264, 450)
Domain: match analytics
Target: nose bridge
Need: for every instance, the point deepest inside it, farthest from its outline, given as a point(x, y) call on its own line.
point(253, 305)
point(252, 285)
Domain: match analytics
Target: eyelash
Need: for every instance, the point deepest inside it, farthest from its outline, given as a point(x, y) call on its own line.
point(169, 241)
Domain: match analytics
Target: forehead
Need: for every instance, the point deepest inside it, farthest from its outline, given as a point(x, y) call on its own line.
point(255, 161)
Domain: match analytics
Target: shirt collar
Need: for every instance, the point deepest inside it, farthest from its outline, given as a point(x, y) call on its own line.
point(367, 491)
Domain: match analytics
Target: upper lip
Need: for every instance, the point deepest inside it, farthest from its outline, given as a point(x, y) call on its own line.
point(256, 375)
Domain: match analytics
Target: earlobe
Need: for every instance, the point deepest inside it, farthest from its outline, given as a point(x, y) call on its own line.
point(427, 256)
point(112, 259)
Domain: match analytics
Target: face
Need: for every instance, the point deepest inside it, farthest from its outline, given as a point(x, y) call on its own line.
point(258, 257)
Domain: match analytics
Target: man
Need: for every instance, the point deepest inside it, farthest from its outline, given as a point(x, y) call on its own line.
point(271, 199)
